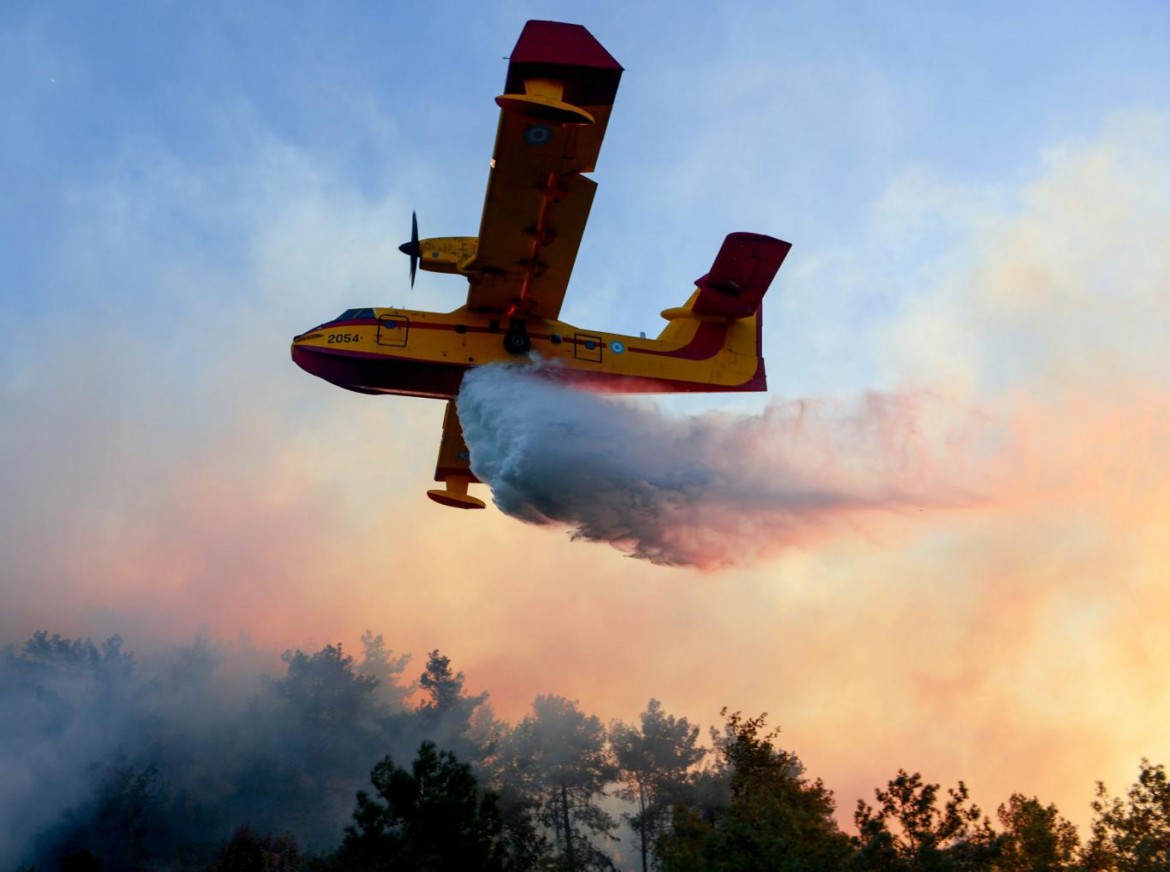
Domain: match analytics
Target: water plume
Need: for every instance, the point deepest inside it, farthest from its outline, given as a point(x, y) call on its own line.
point(714, 490)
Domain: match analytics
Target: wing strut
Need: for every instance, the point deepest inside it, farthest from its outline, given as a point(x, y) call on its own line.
point(454, 466)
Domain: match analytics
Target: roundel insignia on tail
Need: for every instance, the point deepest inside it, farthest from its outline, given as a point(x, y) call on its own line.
point(537, 134)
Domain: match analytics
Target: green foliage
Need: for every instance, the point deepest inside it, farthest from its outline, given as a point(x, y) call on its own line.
point(442, 685)
point(65, 677)
point(777, 819)
point(684, 846)
point(1132, 835)
point(909, 831)
point(324, 689)
point(430, 818)
point(122, 826)
point(654, 762)
point(66, 654)
point(558, 756)
point(153, 772)
point(1035, 837)
point(333, 722)
point(248, 851)
point(446, 715)
point(381, 664)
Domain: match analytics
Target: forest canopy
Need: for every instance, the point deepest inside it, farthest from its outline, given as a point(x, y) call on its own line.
point(361, 762)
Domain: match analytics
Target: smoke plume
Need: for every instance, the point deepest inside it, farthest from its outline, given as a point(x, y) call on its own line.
point(714, 490)
point(142, 760)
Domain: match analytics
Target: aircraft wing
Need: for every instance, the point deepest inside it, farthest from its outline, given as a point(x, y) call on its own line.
point(553, 113)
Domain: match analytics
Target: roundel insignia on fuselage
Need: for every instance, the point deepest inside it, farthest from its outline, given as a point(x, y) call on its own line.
point(617, 347)
point(537, 134)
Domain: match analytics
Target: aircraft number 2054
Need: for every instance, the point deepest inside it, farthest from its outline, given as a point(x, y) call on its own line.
point(343, 337)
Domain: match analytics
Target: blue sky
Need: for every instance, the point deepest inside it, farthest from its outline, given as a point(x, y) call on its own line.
point(789, 119)
point(977, 196)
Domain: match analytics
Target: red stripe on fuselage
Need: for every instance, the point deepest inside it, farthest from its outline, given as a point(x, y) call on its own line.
point(380, 373)
point(705, 344)
point(388, 374)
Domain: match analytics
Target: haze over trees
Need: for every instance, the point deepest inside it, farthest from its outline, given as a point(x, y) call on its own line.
point(180, 763)
point(654, 761)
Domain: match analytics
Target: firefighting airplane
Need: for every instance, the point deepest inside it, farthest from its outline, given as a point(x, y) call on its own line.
point(556, 103)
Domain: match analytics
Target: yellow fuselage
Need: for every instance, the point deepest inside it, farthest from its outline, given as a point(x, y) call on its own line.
point(426, 354)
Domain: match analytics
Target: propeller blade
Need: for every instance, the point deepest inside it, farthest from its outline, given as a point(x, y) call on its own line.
point(411, 248)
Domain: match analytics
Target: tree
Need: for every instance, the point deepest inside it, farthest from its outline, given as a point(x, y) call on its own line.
point(323, 689)
point(558, 756)
point(446, 714)
point(1035, 837)
point(57, 653)
point(124, 825)
point(777, 819)
point(926, 837)
point(333, 715)
point(326, 735)
point(51, 680)
point(248, 851)
point(380, 663)
point(653, 761)
point(1132, 835)
point(432, 818)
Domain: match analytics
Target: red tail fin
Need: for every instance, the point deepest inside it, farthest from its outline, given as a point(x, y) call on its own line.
point(742, 272)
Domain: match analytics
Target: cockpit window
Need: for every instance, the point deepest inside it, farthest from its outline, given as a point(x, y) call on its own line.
point(355, 314)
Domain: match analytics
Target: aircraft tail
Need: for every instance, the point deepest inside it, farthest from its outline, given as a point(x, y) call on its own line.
point(728, 300)
point(740, 275)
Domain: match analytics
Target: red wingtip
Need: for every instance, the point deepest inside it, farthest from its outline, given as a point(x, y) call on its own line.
point(568, 53)
point(554, 42)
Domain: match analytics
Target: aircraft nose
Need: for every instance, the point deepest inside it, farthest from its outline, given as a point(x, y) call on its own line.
point(309, 359)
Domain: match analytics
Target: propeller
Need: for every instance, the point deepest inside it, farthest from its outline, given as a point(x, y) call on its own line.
point(411, 248)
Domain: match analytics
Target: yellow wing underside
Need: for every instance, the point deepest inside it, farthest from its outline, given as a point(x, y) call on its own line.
point(554, 112)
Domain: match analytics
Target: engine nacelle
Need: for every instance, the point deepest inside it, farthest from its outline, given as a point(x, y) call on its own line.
point(447, 254)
